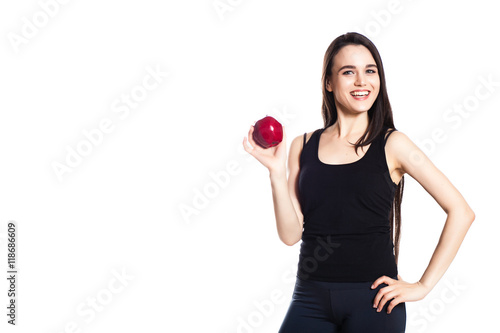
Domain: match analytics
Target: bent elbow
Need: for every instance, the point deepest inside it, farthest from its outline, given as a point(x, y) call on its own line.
point(471, 215)
point(463, 213)
point(290, 242)
point(467, 214)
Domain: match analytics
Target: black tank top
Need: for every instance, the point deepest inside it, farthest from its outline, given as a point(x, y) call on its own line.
point(346, 207)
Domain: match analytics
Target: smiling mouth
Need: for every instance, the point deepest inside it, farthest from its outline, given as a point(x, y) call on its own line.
point(362, 93)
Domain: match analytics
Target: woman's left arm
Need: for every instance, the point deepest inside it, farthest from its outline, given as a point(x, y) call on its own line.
point(411, 160)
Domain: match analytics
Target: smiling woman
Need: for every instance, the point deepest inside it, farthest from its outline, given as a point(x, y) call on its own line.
point(355, 83)
point(342, 198)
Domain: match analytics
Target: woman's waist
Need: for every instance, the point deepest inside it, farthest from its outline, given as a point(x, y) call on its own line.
point(347, 230)
point(347, 248)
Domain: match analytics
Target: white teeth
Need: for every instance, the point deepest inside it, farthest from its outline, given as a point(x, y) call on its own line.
point(360, 93)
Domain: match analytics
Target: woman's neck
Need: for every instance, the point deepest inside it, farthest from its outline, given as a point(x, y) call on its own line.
point(348, 125)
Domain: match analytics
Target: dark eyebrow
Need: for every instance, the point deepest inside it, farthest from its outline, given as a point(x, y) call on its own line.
point(354, 67)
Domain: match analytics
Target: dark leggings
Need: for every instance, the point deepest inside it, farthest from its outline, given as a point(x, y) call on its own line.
point(347, 307)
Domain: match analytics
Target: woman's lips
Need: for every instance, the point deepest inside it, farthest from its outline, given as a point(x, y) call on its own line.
point(360, 95)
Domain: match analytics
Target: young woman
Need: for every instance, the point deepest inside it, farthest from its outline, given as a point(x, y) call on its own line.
point(342, 198)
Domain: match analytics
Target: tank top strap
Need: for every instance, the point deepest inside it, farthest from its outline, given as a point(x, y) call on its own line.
point(381, 140)
point(315, 140)
point(310, 148)
point(392, 130)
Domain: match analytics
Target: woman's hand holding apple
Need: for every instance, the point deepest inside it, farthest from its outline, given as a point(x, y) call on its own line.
point(273, 157)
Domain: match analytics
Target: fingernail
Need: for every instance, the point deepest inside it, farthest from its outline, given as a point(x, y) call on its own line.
point(374, 305)
point(378, 310)
point(373, 286)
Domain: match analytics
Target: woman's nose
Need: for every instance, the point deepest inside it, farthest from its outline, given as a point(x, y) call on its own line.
point(360, 80)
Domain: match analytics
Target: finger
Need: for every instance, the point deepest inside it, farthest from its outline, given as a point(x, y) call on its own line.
point(247, 148)
point(250, 131)
point(378, 297)
point(257, 147)
point(387, 297)
point(393, 303)
point(250, 136)
point(378, 281)
point(381, 293)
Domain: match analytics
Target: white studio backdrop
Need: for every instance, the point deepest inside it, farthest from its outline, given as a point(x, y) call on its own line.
point(135, 206)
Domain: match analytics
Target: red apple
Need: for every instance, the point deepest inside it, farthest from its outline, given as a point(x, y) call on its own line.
point(267, 132)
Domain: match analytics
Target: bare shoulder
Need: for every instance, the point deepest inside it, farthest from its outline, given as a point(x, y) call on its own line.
point(298, 141)
point(397, 140)
point(397, 146)
point(404, 153)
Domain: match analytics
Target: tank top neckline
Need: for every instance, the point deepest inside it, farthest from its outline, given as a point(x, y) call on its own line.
point(343, 164)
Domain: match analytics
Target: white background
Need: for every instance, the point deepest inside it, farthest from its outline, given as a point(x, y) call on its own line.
point(119, 210)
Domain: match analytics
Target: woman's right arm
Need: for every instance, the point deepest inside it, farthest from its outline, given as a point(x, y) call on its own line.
point(289, 218)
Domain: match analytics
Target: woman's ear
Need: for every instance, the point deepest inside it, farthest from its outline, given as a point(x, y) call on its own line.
point(329, 84)
point(328, 87)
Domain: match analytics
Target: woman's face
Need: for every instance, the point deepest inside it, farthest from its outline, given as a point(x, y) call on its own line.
point(354, 80)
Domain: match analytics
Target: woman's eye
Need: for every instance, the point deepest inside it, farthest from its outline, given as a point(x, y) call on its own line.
point(346, 72)
point(371, 71)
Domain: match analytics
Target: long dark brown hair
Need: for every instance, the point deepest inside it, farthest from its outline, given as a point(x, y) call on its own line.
point(380, 115)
